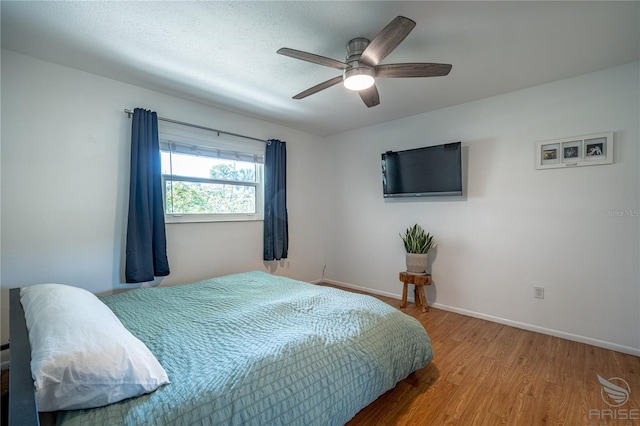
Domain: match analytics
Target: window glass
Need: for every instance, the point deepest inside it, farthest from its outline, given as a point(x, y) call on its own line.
point(211, 183)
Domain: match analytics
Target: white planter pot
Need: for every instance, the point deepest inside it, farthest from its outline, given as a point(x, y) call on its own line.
point(417, 263)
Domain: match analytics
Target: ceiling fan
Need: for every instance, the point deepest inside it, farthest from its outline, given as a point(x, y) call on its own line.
point(362, 64)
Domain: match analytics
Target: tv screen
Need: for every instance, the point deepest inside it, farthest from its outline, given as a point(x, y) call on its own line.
point(423, 172)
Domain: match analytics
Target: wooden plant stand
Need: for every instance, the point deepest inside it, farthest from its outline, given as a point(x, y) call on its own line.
point(419, 281)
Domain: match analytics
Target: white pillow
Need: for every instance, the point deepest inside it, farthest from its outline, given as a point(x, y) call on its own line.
point(81, 354)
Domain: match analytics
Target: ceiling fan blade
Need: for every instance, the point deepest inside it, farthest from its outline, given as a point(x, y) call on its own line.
point(314, 59)
point(412, 70)
point(370, 96)
point(387, 40)
point(319, 87)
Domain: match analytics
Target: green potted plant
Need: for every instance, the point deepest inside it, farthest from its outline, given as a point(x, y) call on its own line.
point(417, 244)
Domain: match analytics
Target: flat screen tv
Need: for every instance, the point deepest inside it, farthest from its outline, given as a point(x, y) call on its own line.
point(423, 172)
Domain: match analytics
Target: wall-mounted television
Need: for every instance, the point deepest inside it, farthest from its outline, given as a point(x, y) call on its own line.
point(423, 172)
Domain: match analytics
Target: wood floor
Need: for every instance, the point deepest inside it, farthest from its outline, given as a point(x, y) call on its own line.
point(484, 373)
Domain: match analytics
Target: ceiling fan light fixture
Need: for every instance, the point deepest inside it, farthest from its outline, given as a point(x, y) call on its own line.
point(362, 64)
point(358, 78)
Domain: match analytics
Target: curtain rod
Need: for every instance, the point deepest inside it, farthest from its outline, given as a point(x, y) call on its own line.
point(168, 120)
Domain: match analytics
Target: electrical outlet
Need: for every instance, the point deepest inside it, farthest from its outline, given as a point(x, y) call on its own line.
point(538, 292)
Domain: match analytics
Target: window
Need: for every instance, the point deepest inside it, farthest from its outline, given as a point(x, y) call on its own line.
point(210, 178)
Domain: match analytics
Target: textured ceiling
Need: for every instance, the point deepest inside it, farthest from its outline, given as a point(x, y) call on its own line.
point(224, 53)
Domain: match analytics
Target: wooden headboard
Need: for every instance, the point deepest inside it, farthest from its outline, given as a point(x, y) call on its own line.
point(22, 399)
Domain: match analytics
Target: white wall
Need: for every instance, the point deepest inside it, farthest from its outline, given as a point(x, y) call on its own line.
point(65, 168)
point(516, 227)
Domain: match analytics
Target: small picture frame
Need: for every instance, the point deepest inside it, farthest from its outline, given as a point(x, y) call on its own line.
point(550, 154)
point(575, 151)
point(595, 149)
point(572, 151)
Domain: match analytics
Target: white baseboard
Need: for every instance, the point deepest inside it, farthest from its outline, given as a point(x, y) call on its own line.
point(543, 330)
point(517, 324)
point(370, 290)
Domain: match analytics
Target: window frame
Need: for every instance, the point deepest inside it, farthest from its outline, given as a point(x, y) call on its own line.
point(169, 135)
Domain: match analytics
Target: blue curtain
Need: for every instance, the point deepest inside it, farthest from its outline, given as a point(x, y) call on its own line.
point(276, 224)
point(146, 253)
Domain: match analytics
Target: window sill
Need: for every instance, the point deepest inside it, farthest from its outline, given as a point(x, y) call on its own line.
point(170, 219)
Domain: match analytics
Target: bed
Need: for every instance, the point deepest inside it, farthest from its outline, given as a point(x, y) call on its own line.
point(254, 348)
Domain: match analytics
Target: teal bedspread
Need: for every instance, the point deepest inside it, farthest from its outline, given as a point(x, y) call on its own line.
point(256, 349)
